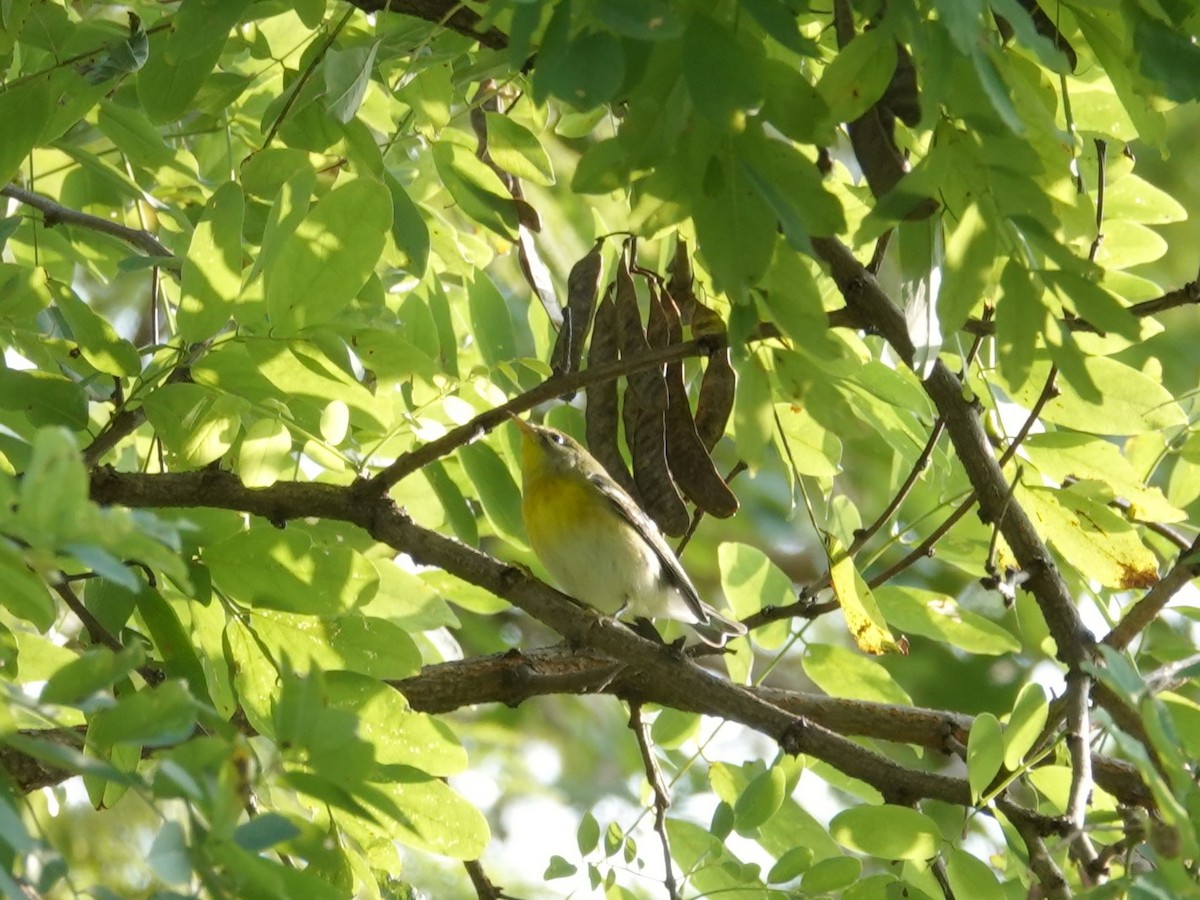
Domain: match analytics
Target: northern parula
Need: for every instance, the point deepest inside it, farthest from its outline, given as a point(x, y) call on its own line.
point(598, 544)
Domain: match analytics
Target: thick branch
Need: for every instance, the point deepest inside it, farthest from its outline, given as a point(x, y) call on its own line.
point(451, 13)
point(658, 671)
point(863, 293)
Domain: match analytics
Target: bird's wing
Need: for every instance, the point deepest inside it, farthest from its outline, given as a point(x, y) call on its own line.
point(627, 509)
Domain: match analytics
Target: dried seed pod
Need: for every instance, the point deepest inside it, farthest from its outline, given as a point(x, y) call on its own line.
point(583, 286)
point(680, 284)
point(648, 384)
point(659, 495)
point(687, 456)
point(716, 398)
point(602, 413)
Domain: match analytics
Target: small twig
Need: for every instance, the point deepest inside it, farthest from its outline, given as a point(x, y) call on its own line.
point(302, 80)
point(484, 889)
point(1147, 609)
point(925, 548)
point(78, 57)
point(1042, 864)
point(698, 515)
point(662, 799)
point(880, 252)
point(1101, 161)
point(1078, 738)
point(865, 534)
point(56, 214)
point(552, 387)
point(95, 629)
point(943, 877)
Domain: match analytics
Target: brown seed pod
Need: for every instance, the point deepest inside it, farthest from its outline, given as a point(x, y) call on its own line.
point(583, 286)
point(602, 413)
point(716, 398)
point(680, 284)
point(648, 384)
point(687, 456)
point(648, 445)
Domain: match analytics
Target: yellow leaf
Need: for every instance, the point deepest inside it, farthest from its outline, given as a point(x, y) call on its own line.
point(863, 618)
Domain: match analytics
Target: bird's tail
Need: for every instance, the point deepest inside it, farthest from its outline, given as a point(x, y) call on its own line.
point(717, 629)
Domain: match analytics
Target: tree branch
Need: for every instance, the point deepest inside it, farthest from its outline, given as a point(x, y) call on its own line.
point(450, 13)
point(56, 214)
point(863, 293)
point(661, 673)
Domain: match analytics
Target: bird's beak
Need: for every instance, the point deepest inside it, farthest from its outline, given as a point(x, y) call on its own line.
point(525, 427)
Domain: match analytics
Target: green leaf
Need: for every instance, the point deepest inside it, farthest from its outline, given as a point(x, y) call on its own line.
point(264, 831)
point(887, 832)
point(1064, 455)
point(130, 130)
point(326, 261)
point(1024, 724)
point(45, 398)
point(516, 150)
point(722, 72)
point(152, 717)
point(1020, 318)
point(212, 269)
point(972, 877)
point(289, 571)
point(25, 110)
point(1093, 539)
point(587, 837)
point(490, 321)
point(53, 497)
point(497, 491)
point(752, 420)
point(98, 340)
point(195, 423)
point(93, 671)
point(1129, 401)
point(752, 582)
point(436, 819)
point(859, 74)
point(169, 81)
point(22, 593)
point(409, 230)
point(347, 76)
point(400, 736)
point(361, 644)
point(814, 449)
point(833, 874)
point(587, 73)
point(844, 673)
point(760, 800)
point(1168, 56)
point(971, 251)
point(477, 190)
point(985, 753)
point(265, 453)
point(937, 616)
point(735, 225)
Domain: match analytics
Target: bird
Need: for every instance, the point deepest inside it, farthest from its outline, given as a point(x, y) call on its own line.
point(598, 544)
